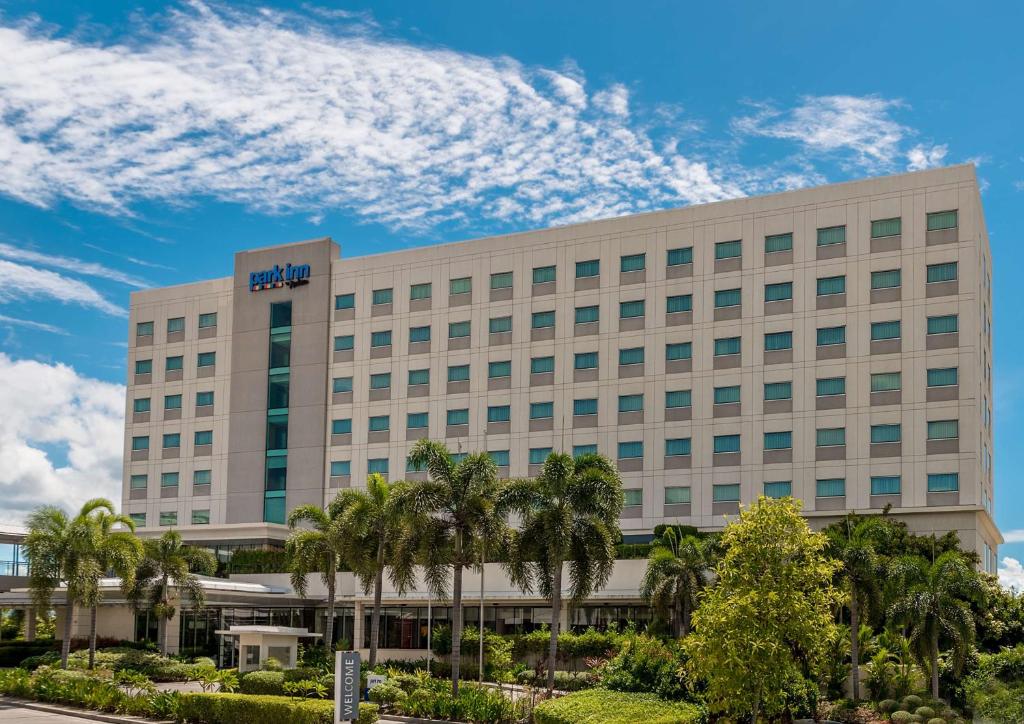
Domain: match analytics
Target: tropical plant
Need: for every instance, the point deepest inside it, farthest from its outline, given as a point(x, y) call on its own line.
point(675, 574)
point(569, 514)
point(168, 563)
point(455, 508)
point(934, 605)
point(211, 678)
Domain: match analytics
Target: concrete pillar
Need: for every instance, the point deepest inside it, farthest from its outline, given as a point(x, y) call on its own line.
point(174, 631)
point(30, 623)
point(357, 628)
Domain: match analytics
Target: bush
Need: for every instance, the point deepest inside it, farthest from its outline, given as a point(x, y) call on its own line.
point(645, 664)
point(937, 720)
point(234, 708)
point(564, 680)
point(387, 694)
point(888, 706)
point(120, 658)
point(433, 700)
point(926, 712)
point(12, 653)
point(599, 706)
point(911, 702)
point(268, 683)
point(901, 717)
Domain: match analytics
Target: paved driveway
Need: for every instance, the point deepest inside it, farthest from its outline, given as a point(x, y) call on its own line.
point(14, 714)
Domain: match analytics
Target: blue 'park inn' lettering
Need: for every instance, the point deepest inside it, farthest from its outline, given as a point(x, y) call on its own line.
point(288, 275)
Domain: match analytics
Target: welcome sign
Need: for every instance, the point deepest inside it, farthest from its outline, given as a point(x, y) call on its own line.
point(346, 686)
point(287, 276)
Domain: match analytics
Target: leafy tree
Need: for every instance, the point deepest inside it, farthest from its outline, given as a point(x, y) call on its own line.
point(934, 605)
point(675, 574)
point(569, 515)
point(456, 508)
point(167, 562)
point(769, 618)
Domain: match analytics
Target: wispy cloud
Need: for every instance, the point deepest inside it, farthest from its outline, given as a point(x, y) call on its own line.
point(1011, 573)
point(22, 282)
point(921, 156)
point(77, 266)
point(132, 259)
point(29, 324)
point(1013, 536)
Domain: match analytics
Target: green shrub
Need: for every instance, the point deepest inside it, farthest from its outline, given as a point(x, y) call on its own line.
point(235, 708)
point(12, 653)
point(433, 699)
point(387, 694)
point(911, 702)
point(936, 720)
point(564, 680)
point(925, 711)
point(645, 664)
point(599, 706)
point(268, 683)
point(888, 706)
point(204, 661)
point(45, 659)
point(120, 658)
point(901, 717)
point(302, 673)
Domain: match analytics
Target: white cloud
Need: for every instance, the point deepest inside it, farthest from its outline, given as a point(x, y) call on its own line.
point(21, 282)
point(60, 437)
point(1013, 536)
point(14, 253)
point(921, 157)
point(1011, 573)
point(29, 324)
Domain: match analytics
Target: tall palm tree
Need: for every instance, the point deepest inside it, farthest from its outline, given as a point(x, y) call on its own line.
point(675, 574)
point(167, 562)
point(855, 544)
point(568, 514)
point(934, 604)
point(455, 508)
point(320, 547)
point(377, 535)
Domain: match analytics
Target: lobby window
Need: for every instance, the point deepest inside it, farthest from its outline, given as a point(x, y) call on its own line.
point(885, 381)
point(345, 301)
point(586, 315)
point(780, 292)
point(778, 391)
point(542, 410)
point(778, 242)
point(632, 497)
point(581, 450)
point(885, 433)
point(499, 369)
point(140, 404)
point(885, 484)
point(419, 377)
point(678, 257)
point(830, 436)
point(946, 272)
point(203, 437)
point(499, 413)
point(383, 296)
point(172, 402)
point(462, 285)
point(538, 455)
point(542, 320)
point(138, 482)
point(830, 488)
point(168, 517)
point(827, 336)
point(832, 235)
point(728, 395)
point(585, 361)
point(727, 493)
point(726, 444)
point(631, 310)
point(206, 359)
point(778, 489)
point(344, 343)
point(380, 381)
point(542, 365)
point(341, 427)
point(501, 280)
point(341, 384)
point(728, 298)
point(885, 330)
point(458, 373)
point(168, 480)
point(676, 447)
point(587, 406)
point(140, 442)
point(886, 227)
point(144, 329)
point(498, 325)
point(417, 420)
point(143, 366)
point(631, 403)
point(830, 386)
point(631, 356)
point(942, 220)
point(678, 350)
point(679, 303)
point(138, 519)
point(207, 320)
point(175, 324)
point(419, 334)
point(175, 363)
point(589, 268)
point(886, 279)
point(775, 341)
point(677, 495)
point(943, 429)
point(943, 482)
point(458, 417)
point(420, 291)
point(727, 346)
point(678, 398)
point(831, 285)
point(632, 262)
point(543, 274)
point(943, 377)
point(340, 468)
point(379, 423)
point(457, 330)
point(377, 466)
point(946, 324)
point(172, 440)
point(200, 517)
point(500, 457)
point(728, 249)
point(204, 399)
point(631, 450)
point(202, 477)
point(380, 339)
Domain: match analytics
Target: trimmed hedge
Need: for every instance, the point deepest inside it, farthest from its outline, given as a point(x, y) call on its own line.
point(235, 708)
point(268, 683)
point(13, 653)
point(599, 706)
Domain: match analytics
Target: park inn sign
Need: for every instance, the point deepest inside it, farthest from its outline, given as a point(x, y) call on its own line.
point(287, 276)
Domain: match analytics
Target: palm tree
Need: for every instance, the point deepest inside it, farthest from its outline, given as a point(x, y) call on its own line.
point(455, 508)
point(568, 514)
point(167, 561)
point(377, 535)
point(934, 604)
point(319, 548)
point(675, 575)
point(855, 544)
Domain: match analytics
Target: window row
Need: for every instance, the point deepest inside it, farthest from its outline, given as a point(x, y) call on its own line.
point(176, 363)
point(172, 402)
point(170, 517)
point(176, 325)
point(170, 479)
point(172, 440)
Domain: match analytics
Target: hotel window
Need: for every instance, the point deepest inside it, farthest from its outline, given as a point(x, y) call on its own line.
point(727, 298)
point(729, 493)
point(831, 285)
point(377, 466)
point(175, 363)
point(631, 356)
point(499, 369)
point(581, 450)
point(538, 455)
point(832, 235)
point(380, 339)
point(457, 330)
point(726, 444)
point(341, 384)
point(380, 381)
point(631, 403)
point(942, 220)
point(417, 420)
point(830, 386)
point(172, 402)
point(632, 262)
point(779, 292)
point(727, 346)
point(677, 447)
point(631, 310)
point(830, 436)
point(886, 227)
point(775, 341)
point(341, 427)
point(728, 249)
point(462, 285)
point(140, 404)
point(885, 381)
point(585, 361)
point(886, 279)
point(678, 350)
point(830, 488)
point(202, 477)
point(542, 365)
point(943, 482)
point(383, 296)
point(727, 395)
point(542, 410)
point(778, 440)
point(458, 373)
point(500, 457)
point(501, 280)
point(168, 518)
point(631, 450)
point(168, 480)
point(678, 398)
point(419, 377)
point(942, 272)
point(138, 482)
point(885, 330)
point(943, 377)
point(497, 325)
point(778, 391)
point(379, 423)
point(499, 413)
point(420, 291)
point(831, 335)
point(543, 274)
point(778, 489)
point(280, 315)
point(140, 443)
point(458, 417)
point(143, 366)
point(200, 517)
point(885, 484)
point(946, 324)
point(344, 343)
point(345, 301)
point(778, 242)
point(204, 399)
point(419, 334)
point(411, 467)
point(175, 324)
point(677, 494)
point(144, 329)
point(586, 315)
point(679, 303)
point(885, 433)
point(207, 320)
point(632, 497)
point(172, 440)
point(542, 320)
point(203, 437)
point(943, 429)
point(590, 268)
point(677, 257)
point(584, 407)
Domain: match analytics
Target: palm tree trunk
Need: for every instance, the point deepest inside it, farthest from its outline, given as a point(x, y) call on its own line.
point(457, 615)
point(935, 663)
point(685, 628)
point(162, 617)
point(855, 644)
point(556, 615)
point(65, 647)
point(329, 626)
point(375, 619)
point(92, 636)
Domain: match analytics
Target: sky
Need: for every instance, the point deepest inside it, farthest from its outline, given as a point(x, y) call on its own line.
point(141, 144)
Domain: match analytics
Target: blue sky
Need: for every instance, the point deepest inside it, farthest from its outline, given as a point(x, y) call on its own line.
point(141, 144)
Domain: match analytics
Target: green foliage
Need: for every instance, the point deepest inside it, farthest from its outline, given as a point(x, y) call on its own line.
point(210, 678)
point(564, 680)
point(256, 561)
point(901, 717)
point(433, 699)
point(318, 688)
point(995, 690)
point(599, 706)
point(911, 702)
point(235, 708)
point(12, 653)
point(1000, 622)
point(126, 693)
point(925, 711)
point(272, 664)
point(645, 664)
point(674, 577)
point(888, 706)
point(387, 695)
point(262, 682)
point(498, 649)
